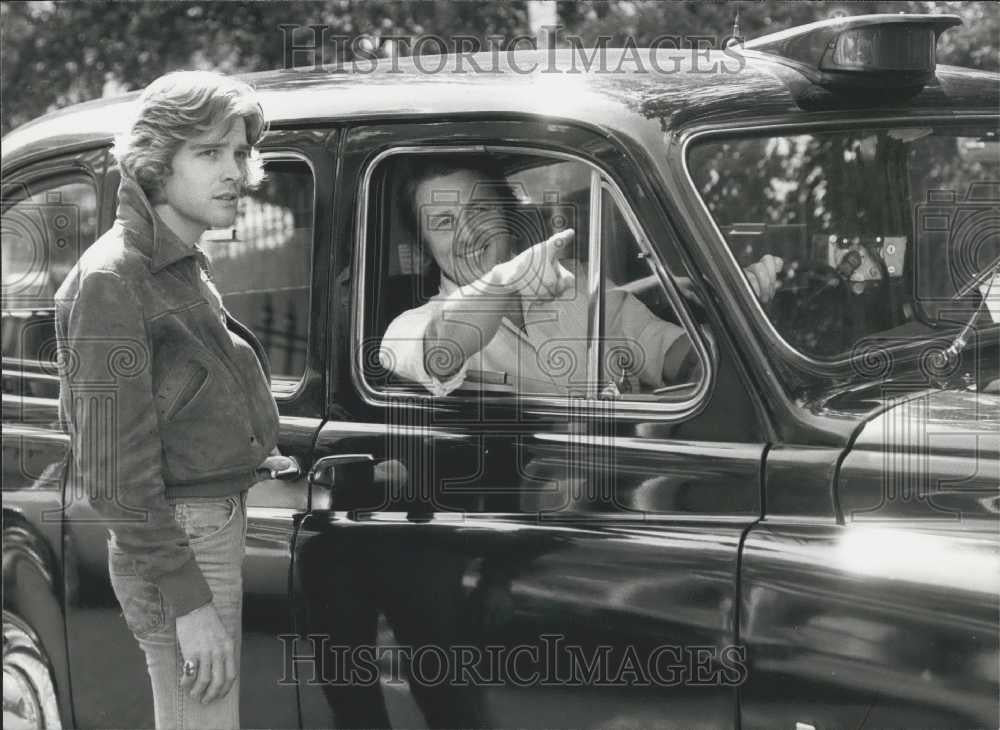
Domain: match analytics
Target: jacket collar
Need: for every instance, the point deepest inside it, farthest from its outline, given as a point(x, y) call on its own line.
point(152, 236)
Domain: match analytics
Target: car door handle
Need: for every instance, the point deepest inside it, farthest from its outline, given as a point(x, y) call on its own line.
point(324, 464)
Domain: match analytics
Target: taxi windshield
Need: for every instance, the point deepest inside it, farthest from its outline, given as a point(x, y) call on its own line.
point(884, 232)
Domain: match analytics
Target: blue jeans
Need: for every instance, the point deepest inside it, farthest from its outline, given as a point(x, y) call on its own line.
point(216, 529)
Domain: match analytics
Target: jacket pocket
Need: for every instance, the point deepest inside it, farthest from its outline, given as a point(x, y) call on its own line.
point(187, 393)
point(202, 404)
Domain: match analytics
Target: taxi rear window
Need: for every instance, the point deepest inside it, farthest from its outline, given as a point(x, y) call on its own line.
point(884, 232)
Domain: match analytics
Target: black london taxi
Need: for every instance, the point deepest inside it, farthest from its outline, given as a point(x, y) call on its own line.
point(802, 533)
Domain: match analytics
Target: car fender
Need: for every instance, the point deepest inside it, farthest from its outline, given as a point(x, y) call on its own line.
point(32, 608)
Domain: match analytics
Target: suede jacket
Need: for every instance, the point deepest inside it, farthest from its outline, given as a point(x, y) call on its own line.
point(164, 393)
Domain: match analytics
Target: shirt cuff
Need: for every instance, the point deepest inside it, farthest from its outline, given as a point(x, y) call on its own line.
point(185, 588)
point(405, 357)
point(439, 389)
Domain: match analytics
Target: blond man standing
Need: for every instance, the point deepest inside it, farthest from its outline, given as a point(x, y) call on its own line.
point(167, 397)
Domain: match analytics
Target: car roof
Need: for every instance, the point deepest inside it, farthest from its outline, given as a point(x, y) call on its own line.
point(631, 92)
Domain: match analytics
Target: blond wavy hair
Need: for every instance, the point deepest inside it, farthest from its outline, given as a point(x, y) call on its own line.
point(178, 106)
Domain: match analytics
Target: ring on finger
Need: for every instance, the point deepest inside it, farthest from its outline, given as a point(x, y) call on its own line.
point(190, 668)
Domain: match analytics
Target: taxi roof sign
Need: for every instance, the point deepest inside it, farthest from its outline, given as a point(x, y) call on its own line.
point(861, 50)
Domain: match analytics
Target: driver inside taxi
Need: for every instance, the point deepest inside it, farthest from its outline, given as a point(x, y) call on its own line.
point(521, 318)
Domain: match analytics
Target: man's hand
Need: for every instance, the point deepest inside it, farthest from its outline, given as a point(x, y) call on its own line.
point(536, 273)
point(204, 640)
point(763, 276)
point(469, 317)
point(274, 464)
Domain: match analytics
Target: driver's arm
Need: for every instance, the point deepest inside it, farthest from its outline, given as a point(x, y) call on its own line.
point(463, 324)
point(662, 352)
point(468, 318)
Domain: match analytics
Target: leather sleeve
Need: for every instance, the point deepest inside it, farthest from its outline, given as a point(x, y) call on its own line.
point(107, 394)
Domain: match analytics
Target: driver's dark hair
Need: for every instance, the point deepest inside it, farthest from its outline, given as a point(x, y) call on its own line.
point(412, 170)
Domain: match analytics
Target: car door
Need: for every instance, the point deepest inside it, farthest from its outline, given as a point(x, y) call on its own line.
point(492, 558)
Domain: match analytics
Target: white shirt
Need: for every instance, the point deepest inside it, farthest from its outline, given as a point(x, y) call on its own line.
point(550, 354)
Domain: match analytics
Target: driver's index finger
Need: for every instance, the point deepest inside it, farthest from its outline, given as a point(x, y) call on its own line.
point(559, 246)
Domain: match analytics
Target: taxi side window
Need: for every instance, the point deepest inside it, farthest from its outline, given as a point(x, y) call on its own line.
point(262, 265)
point(448, 219)
point(46, 226)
